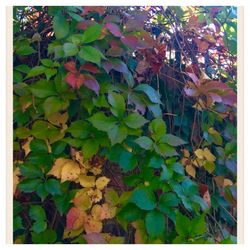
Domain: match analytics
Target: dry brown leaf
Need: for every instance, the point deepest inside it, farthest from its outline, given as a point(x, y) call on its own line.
point(16, 179)
point(107, 211)
point(227, 182)
point(26, 146)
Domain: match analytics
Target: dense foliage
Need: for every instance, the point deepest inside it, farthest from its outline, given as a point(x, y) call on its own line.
point(125, 125)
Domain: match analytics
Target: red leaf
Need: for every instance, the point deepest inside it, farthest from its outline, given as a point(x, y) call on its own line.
point(94, 238)
point(99, 9)
point(74, 218)
point(71, 66)
point(91, 83)
point(83, 25)
point(74, 80)
point(115, 64)
point(130, 41)
point(90, 67)
point(114, 29)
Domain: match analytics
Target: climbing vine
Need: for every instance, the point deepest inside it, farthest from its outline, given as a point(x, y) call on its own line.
point(125, 125)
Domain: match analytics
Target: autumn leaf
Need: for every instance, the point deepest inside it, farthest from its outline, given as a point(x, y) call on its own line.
point(87, 181)
point(102, 182)
point(70, 171)
point(26, 146)
point(190, 170)
point(82, 199)
point(56, 169)
point(91, 225)
point(75, 218)
point(16, 179)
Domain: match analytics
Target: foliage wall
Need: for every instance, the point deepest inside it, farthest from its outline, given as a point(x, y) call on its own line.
point(125, 124)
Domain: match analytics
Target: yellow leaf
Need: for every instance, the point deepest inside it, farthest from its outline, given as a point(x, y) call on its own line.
point(56, 169)
point(87, 181)
point(102, 182)
point(191, 170)
point(96, 211)
point(95, 170)
point(197, 162)
point(82, 199)
point(208, 155)
point(71, 233)
point(16, 180)
point(92, 226)
point(58, 119)
point(26, 146)
point(70, 171)
point(227, 182)
point(199, 153)
point(95, 195)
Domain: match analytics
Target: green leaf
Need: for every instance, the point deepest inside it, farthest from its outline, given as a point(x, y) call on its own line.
point(165, 150)
point(89, 148)
point(53, 187)
point(42, 89)
point(49, 73)
point(22, 132)
point(24, 50)
point(47, 237)
point(43, 130)
point(135, 120)
point(198, 226)
point(17, 223)
point(37, 70)
point(31, 171)
point(130, 212)
point(54, 104)
point(60, 25)
point(92, 33)
point(102, 122)
point(38, 214)
point(39, 226)
point(79, 129)
point(144, 198)
point(29, 185)
point(144, 142)
point(127, 161)
point(47, 62)
point(182, 226)
point(91, 54)
point(151, 93)
point(155, 162)
point(62, 202)
point(172, 140)
point(166, 204)
point(155, 223)
point(24, 68)
point(157, 128)
point(117, 134)
point(118, 104)
point(41, 191)
point(38, 145)
point(209, 166)
point(70, 49)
